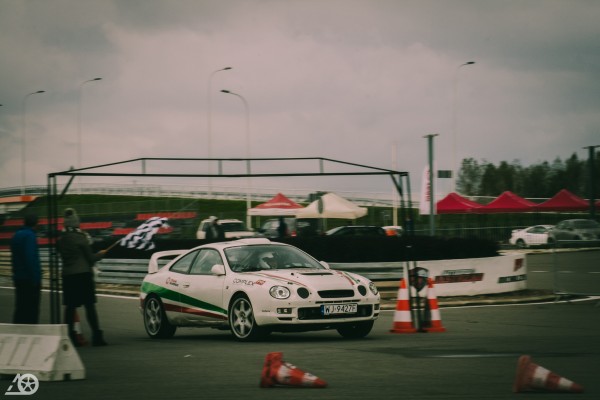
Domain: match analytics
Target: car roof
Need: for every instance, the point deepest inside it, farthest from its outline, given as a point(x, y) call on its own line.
point(240, 242)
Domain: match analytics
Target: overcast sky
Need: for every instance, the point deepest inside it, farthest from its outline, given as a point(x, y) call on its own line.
point(343, 79)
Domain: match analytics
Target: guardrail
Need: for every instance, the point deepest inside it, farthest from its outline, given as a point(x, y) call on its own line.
point(132, 271)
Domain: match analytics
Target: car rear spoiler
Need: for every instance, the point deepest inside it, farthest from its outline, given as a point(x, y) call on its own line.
point(153, 264)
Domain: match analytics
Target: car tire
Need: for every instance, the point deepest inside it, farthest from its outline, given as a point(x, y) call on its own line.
point(241, 320)
point(521, 244)
point(357, 330)
point(155, 320)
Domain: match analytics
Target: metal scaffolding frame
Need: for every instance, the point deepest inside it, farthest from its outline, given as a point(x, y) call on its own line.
point(400, 181)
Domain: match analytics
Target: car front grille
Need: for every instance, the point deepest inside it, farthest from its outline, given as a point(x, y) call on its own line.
point(314, 313)
point(335, 294)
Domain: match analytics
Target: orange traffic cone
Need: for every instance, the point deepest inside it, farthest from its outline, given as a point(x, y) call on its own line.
point(277, 372)
point(77, 328)
point(402, 317)
point(435, 324)
point(532, 377)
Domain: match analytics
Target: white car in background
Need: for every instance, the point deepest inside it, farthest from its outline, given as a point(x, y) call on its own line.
point(233, 228)
point(532, 236)
point(254, 287)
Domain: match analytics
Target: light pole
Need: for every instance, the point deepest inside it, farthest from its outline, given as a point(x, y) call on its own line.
point(592, 180)
point(24, 142)
point(79, 119)
point(209, 124)
point(454, 164)
point(431, 186)
point(248, 171)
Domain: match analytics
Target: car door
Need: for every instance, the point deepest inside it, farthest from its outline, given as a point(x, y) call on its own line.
point(536, 235)
point(202, 290)
point(563, 231)
point(171, 297)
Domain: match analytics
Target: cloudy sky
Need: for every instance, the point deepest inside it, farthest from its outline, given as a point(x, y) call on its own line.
point(343, 79)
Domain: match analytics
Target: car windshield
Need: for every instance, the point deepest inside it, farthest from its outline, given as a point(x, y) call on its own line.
point(264, 257)
point(586, 224)
point(233, 226)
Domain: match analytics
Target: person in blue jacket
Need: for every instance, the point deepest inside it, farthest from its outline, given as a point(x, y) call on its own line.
point(27, 272)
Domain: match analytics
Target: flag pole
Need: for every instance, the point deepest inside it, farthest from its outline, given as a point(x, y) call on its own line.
point(112, 245)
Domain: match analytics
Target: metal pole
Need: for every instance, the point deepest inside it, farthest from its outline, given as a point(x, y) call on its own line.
point(431, 185)
point(55, 317)
point(592, 188)
point(24, 143)
point(248, 155)
point(209, 125)
point(454, 112)
point(79, 151)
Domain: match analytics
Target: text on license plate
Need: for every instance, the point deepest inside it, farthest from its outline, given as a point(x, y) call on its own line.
point(329, 309)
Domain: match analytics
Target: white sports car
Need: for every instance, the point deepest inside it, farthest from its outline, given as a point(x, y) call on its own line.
point(254, 287)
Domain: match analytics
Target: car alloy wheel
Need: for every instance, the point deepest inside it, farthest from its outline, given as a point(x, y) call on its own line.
point(155, 320)
point(521, 244)
point(241, 320)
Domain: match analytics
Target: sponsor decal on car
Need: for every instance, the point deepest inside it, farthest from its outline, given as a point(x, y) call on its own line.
point(172, 282)
point(246, 282)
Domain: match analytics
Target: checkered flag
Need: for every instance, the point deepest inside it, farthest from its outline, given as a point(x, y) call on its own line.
point(141, 238)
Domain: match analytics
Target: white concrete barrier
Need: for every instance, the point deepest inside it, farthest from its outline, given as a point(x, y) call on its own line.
point(42, 350)
point(463, 277)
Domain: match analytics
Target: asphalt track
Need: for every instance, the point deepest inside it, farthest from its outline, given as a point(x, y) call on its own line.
point(475, 358)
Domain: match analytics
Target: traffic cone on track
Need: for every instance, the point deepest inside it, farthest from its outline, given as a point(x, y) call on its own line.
point(532, 377)
point(278, 372)
point(435, 323)
point(79, 338)
point(402, 315)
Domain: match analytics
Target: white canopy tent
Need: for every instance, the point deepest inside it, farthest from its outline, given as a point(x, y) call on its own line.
point(331, 205)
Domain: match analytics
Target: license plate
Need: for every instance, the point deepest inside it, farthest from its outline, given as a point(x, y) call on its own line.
point(331, 309)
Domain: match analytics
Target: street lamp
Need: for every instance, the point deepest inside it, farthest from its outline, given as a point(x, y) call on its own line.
point(24, 142)
point(209, 125)
point(79, 119)
point(248, 202)
point(454, 164)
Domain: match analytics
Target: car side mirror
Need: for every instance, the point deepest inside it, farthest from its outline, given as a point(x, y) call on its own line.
point(323, 263)
point(218, 269)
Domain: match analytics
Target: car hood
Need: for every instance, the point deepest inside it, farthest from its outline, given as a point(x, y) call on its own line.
point(318, 279)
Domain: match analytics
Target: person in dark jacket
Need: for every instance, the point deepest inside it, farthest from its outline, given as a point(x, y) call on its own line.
point(282, 229)
point(27, 272)
point(79, 288)
point(214, 230)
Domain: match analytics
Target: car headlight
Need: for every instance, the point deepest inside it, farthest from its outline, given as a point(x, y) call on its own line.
point(279, 292)
point(373, 288)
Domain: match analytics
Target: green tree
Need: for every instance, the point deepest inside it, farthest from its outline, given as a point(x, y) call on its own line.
point(489, 181)
point(469, 177)
point(536, 181)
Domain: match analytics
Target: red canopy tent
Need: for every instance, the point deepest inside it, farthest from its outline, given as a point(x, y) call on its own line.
point(508, 202)
point(454, 203)
point(563, 201)
point(278, 205)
